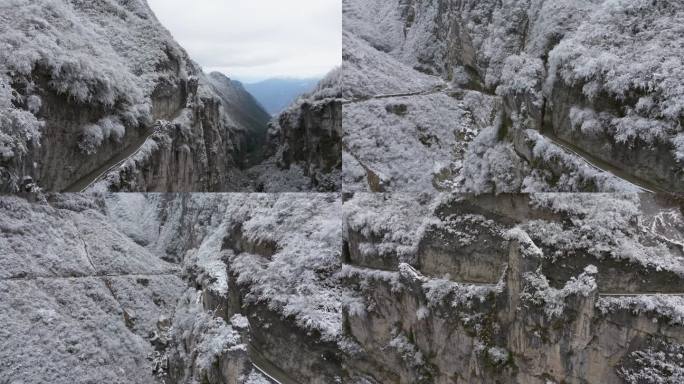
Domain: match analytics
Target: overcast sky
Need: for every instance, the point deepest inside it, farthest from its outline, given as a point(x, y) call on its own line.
point(251, 40)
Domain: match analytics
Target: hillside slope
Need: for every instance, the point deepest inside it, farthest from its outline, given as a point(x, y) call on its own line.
point(244, 110)
point(553, 95)
point(277, 94)
point(378, 288)
point(98, 95)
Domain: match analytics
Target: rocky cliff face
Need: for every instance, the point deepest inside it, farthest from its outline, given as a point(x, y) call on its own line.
point(99, 95)
point(229, 288)
point(567, 95)
point(305, 142)
point(503, 311)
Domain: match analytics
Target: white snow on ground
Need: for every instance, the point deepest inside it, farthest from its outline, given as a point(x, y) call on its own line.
point(503, 48)
point(80, 299)
point(67, 331)
point(423, 139)
point(104, 292)
point(368, 72)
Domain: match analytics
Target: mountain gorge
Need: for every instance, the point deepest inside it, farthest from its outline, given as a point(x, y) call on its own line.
point(365, 289)
point(98, 95)
point(512, 96)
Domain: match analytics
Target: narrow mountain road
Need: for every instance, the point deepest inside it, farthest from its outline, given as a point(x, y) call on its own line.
point(98, 275)
point(589, 159)
point(438, 89)
point(639, 294)
point(603, 166)
point(268, 369)
point(91, 178)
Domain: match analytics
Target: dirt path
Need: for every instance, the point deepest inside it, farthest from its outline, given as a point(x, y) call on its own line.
point(88, 180)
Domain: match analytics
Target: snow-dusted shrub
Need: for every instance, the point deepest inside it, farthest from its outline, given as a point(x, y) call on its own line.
point(552, 20)
point(628, 49)
point(106, 55)
point(95, 134)
point(199, 340)
point(604, 225)
point(437, 291)
point(586, 120)
point(678, 143)
point(522, 76)
point(659, 363)
point(394, 223)
point(408, 351)
point(294, 280)
point(49, 36)
point(527, 247)
point(537, 291)
point(498, 356)
point(329, 87)
point(632, 127)
point(18, 127)
point(492, 166)
point(669, 308)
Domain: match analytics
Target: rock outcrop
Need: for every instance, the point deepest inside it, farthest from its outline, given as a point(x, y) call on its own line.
point(484, 299)
point(575, 109)
point(250, 288)
point(98, 95)
point(305, 143)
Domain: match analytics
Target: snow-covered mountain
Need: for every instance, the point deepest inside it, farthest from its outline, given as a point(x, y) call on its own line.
point(531, 95)
point(97, 94)
point(306, 288)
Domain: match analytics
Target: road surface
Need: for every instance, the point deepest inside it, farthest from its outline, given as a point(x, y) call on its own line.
point(274, 374)
point(438, 89)
point(91, 178)
point(603, 166)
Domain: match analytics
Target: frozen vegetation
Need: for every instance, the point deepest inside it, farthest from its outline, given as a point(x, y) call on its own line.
point(587, 95)
point(98, 93)
point(582, 275)
point(218, 288)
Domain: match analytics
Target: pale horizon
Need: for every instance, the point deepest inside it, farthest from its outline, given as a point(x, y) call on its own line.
point(299, 39)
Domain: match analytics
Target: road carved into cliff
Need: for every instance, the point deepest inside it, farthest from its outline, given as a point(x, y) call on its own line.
point(601, 165)
point(442, 88)
point(95, 276)
point(268, 369)
point(93, 177)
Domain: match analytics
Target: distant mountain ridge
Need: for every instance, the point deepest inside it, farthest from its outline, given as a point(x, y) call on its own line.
point(243, 108)
point(278, 93)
